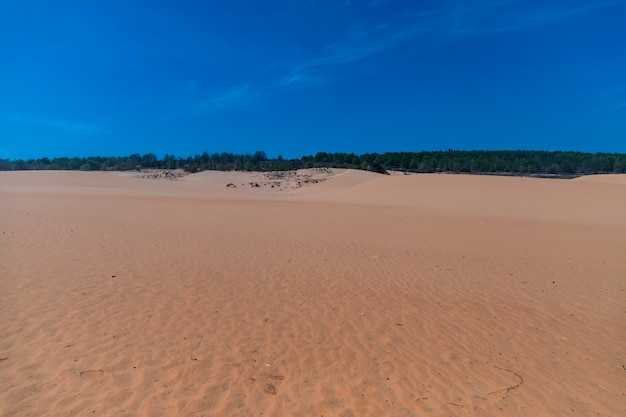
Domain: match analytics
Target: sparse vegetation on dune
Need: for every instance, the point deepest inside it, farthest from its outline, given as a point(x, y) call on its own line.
point(518, 162)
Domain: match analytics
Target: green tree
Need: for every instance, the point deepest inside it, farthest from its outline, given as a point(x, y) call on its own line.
point(619, 167)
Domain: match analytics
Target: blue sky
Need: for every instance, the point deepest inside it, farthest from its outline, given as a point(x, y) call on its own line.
point(81, 78)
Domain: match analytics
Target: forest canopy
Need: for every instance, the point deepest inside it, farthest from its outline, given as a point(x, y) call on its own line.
point(520, 162)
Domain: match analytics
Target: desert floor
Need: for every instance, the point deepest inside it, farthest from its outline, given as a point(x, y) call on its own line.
point(317, 293)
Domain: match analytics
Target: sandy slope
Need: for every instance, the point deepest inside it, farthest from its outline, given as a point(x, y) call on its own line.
point(335, 294)
point(604, 178)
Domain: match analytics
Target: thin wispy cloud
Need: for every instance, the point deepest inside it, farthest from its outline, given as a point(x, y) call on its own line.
point(234, 96)
point(299, 80)
point(367, 39)
point(514, 15)
point(363, 42)
point(310, 72)
point(69, 126)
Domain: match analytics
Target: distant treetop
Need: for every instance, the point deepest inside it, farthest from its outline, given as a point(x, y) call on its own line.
point(536, 163)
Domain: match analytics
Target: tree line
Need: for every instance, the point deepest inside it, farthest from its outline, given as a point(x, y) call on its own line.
point(518, 162)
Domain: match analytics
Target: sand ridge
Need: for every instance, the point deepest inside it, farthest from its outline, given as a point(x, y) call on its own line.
point(360, 294)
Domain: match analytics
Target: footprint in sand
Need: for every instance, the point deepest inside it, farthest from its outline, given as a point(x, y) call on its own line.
point(270, 388)
point(95, 374)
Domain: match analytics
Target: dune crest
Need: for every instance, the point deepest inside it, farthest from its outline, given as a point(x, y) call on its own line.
point(604, 178)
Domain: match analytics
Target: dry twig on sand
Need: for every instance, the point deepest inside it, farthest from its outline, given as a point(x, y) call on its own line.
point(512, 387)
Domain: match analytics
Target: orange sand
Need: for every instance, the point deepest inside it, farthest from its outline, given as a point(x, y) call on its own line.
point(336, 293)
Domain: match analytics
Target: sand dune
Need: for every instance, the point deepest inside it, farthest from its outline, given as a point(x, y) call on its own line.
point(338, 293)
point(604, 178)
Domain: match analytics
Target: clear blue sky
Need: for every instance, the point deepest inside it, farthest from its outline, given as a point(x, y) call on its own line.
point(81, 78)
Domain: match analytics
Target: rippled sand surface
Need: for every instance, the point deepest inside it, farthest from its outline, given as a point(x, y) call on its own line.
point(334, 293)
